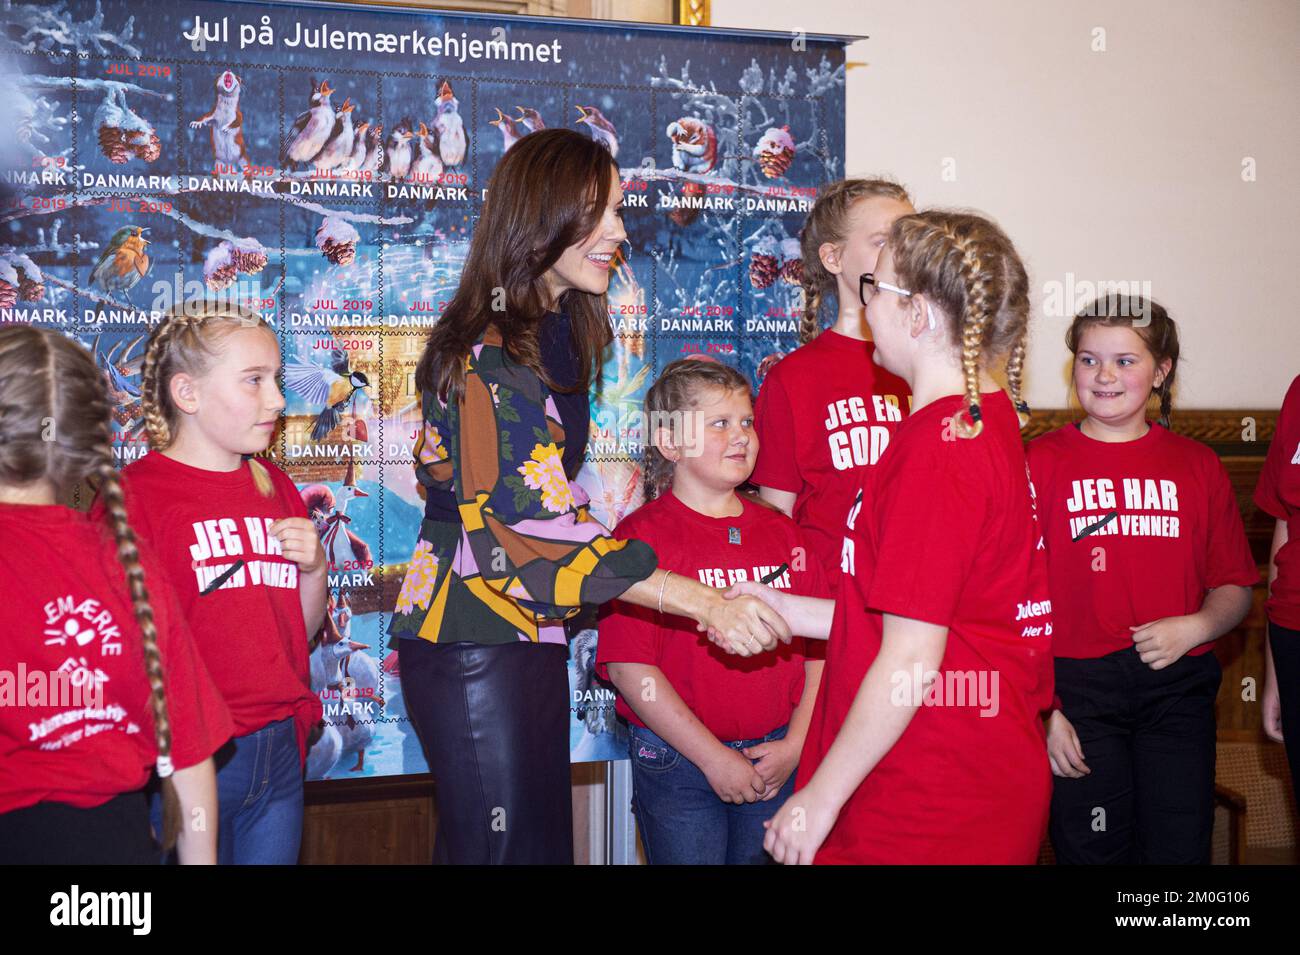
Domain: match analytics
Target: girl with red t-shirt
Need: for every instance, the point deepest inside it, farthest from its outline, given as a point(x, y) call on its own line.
point(712, 735)
point(926, 744)
point(99, 680)
point(826, 411)
point(242, 554)
point(1148, 565)
point(1278, 494)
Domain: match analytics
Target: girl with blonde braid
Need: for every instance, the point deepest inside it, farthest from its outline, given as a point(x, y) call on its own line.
point(926, 744)
point(242, 554)
point(113, 685)
point(826, 412)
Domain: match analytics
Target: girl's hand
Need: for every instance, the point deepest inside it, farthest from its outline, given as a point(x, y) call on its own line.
point(1272, 711)
point(733, 777)
point(745, 625)
point(300, 543)
point(1163, 642)
point(1063, 749)
point(776, 761)
point(799, 828)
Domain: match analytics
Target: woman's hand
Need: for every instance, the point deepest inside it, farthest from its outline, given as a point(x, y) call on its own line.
point(744, 626)
point(300, 543)
point(1063, 749)
point(777, 759)
point(799, 827)
point(750, 588)
point(1163, 642)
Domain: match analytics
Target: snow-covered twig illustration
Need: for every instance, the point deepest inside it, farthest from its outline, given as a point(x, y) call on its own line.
point(51, 28)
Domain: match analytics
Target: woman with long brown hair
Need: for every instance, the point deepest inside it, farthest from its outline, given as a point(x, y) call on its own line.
point(482, 607)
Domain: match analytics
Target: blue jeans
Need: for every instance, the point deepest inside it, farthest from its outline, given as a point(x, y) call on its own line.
point(259, 792)
point(681, 819)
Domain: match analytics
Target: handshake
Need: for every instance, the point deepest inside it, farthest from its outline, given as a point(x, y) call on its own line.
point(746, 619)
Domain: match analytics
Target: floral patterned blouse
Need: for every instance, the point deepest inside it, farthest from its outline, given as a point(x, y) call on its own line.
point(525, 554)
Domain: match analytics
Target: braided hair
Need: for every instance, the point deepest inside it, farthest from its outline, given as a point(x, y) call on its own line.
point(966, 264)
point(187, 341)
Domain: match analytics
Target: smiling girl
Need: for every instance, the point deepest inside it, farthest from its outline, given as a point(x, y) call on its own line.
point(1148, 565)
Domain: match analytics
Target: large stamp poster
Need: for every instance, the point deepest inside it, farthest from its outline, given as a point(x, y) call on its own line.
point(327, 165)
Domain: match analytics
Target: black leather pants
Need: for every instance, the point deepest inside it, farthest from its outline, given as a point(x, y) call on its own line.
point(493, 720)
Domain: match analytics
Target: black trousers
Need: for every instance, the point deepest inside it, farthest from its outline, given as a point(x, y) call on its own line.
point(1286, 667)
point(494, 724)
point(1148, 736)
point(54, 833)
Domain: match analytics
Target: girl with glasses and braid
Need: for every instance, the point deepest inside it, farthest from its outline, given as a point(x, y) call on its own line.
point(926, 743)
point(114, 686)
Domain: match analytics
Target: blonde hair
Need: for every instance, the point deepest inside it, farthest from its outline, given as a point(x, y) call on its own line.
point(48, 380)
point(187, 341)
point(676, 390)
point(967, 266)
point(828, 221)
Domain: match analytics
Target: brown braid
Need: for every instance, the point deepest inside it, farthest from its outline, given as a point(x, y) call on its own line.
point(1015, 369)
point(673, 393)
point(974, 322)
point(185, 341)
point(810, 322)
point(968, 267)
point(110, 492)
point(828, 221)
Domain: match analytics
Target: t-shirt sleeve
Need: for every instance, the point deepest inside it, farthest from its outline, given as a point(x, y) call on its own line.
point(1267, 491)
point(777, 465)
point(199, 718)
point(626, 633)
point(929, 538)
point(1229, 560)
point(527, 539)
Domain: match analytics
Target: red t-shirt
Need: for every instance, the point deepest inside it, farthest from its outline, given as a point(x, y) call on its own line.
point(735, 697)
point(824, 416)
point(250, 629)
point(1176, 534)
point(66, 608)
point(948, 536)
point(1278, 494)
